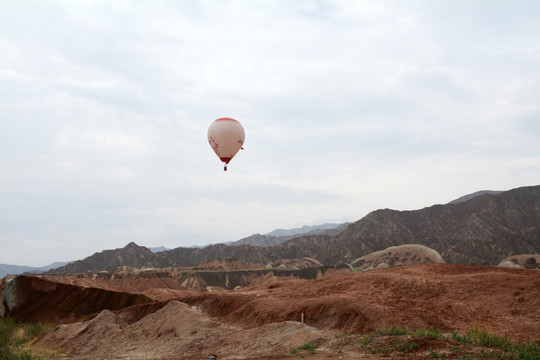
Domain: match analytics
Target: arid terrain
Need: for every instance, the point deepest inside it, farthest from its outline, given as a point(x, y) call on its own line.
point(343, 314)
point(402, 284)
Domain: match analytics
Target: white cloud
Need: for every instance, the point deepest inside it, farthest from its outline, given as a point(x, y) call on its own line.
point(103, 142)
point(348, 106)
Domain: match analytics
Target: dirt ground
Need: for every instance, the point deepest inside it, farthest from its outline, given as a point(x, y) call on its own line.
point(335, 317)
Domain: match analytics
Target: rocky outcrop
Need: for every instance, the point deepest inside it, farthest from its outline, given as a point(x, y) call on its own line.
point(527, 261)
point(303, 263)
point(33, 299)
point(398, 255)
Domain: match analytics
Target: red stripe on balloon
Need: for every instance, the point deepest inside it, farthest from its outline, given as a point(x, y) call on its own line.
point(226, 119)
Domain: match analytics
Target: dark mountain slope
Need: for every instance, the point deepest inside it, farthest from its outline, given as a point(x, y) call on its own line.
point(131, 255)
point(485, 229)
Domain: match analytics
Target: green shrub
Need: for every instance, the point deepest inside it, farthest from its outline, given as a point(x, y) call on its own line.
point(7, 328)
point(435, 355)
point(88, 316)
point(466, 339)
point(366, 339)
point(11, 346)
point(408, 347)
point(394, 331)
point(308, 347)
point(481, 337)
point(11, 354)
point(432, 333)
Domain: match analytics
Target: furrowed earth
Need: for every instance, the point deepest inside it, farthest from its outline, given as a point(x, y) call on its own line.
point(338, 314)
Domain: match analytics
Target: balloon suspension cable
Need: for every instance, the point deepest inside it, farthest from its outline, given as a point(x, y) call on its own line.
point(225, 168)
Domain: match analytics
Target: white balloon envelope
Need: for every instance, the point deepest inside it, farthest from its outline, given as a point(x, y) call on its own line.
point(226, 137)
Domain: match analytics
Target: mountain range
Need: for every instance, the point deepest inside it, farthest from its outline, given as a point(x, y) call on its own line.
point(272, 238)
point(279, 236)
point(6, 269)
point(484, 229)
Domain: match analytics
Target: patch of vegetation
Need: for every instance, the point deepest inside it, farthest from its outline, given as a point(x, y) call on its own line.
point(367, 339)
point(403, 330)
point(14, 335)
point(435, 355)
point(481, 337)
point(7, 327)
point(476, 343)
point(382, 350)
point(306, 347)
point(359, 269)
point(394, 331)
point(408, 347)
point(461, 338)
point(432, 333)
point(89, 316)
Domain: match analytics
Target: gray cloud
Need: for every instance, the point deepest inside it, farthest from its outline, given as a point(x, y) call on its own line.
point(348, 106)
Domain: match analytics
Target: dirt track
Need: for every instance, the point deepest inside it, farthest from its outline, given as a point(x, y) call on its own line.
point(263, 322)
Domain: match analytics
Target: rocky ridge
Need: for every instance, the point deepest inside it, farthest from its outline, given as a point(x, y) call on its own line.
point(483, 230)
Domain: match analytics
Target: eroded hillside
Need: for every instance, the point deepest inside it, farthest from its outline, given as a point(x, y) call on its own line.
point(264, 321)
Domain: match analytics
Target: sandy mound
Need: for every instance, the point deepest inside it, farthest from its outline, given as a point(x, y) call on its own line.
point(398, 255)
point(269, 341)
point(176, 331)
point(527, 261)
point(83, 335)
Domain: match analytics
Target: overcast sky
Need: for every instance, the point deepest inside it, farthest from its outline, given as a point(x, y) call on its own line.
point(348, 107)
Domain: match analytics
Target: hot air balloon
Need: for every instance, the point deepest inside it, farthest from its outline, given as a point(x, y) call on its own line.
point(226, 137)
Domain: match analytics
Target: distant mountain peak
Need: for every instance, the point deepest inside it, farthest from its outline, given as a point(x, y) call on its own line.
point(158, 249)
point(302, 230)
point(473, 195)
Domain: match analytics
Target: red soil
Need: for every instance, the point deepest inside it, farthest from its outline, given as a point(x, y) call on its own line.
point(263, 322)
